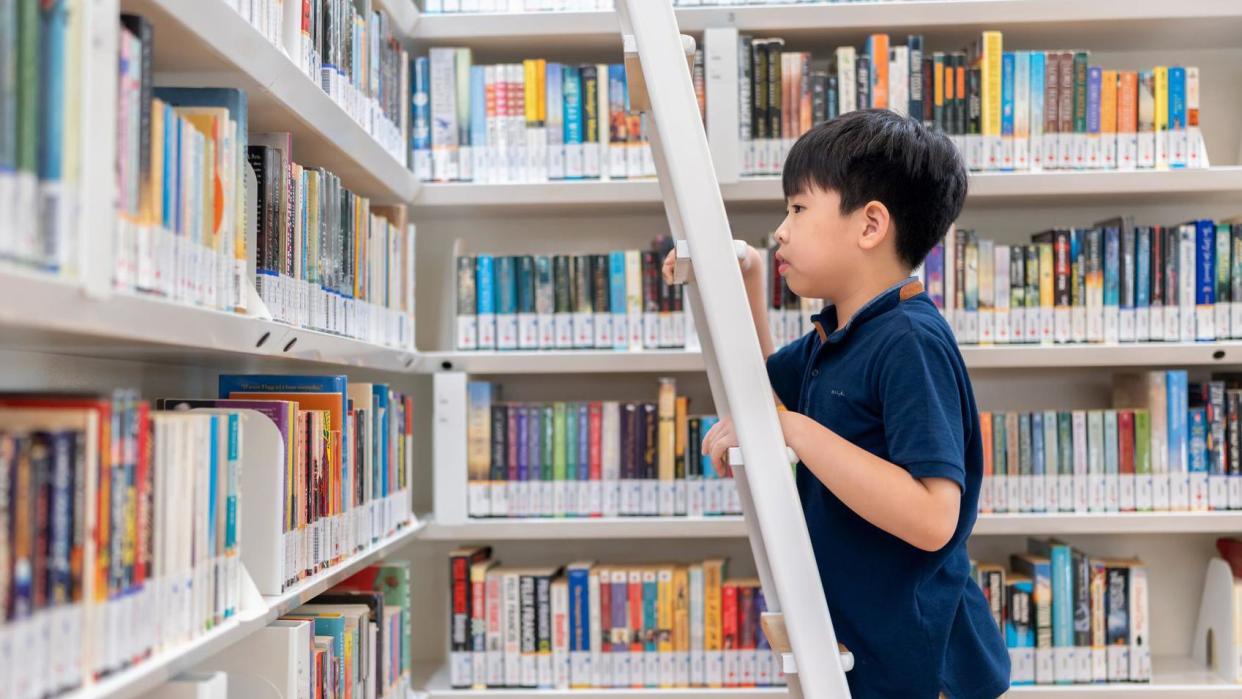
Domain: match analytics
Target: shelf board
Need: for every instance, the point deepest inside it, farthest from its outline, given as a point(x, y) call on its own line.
point(1187, 354)
point(163, 666)
point(201, 43)
point(1174, 677)
point(45, 314)
point(733, 527)
point(987, 189)
point(945, 24)
point(403, 14)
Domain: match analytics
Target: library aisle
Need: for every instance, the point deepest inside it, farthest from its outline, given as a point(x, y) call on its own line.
point(337, 362)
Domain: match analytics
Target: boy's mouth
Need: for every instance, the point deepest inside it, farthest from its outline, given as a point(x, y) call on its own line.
point(781, 265)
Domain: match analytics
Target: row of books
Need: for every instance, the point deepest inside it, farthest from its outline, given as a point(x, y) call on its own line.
point(1173, 445)
point(347, 48)
point(616, 300)
point(351, 642)
point(323, 258)
point(532, 121)
point(1111, 282)
point(1070, 618)
point(591, 459)
point(591, 625)
point(46, 60)
point(120, 534)
point(348, 450)
point(478, 6)
point(123, 524)
point(1005, 110)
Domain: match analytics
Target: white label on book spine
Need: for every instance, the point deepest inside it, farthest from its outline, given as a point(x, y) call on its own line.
point(1025, 493)
point(1112, 324)
point(1147, 149)
point(1078, 324)
point(1108, 151)
point(1161, 495)
point(1127, 325)
point(1013, 493)
point(1112, 492)
point(584, 330)
point(480, 500)
point(1022, 665)
point(1179, 491)
point(506, 331)
point(564, 330)
point(651, 330)
point(1218, 492)
point(1039, 499)
point(1063, 664)
point(528, 331)
point(1235, 491)
point(603, 330)
point(1143, 492)
point(467, 332)
point(1065, 493)
point(620, 331)
point(1049, 158)
point(1000, 493)
point(487, 331)
point(1199, 493)
point(1052, 492)
point(1127, 500)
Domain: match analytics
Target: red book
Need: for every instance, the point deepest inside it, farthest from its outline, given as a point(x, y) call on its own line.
point(1125, 448)
point(605, 611)
point(144, 484)
point(729, 631)
point(636, 618)
point(595, 418)
point(746, 632)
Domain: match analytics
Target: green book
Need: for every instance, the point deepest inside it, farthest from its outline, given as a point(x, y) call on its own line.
point(1142, 460)
point(547, 459)
point(558, 458)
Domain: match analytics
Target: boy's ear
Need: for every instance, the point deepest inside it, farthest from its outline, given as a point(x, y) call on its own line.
point(876, 222)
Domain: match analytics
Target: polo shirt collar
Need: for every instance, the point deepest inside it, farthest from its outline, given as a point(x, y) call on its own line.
point(884, 302)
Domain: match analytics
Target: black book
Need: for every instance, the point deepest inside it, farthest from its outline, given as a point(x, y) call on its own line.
point(775, 87)
point(562, 284)
point(862, 71)
point(500, 449)
point(914, 43)
point(141, 28)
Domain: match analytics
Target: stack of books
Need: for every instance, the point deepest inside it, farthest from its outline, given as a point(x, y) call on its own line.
point(1004, 110)
point(1168, 445)
point(525, 122)
point(348, 51)
point(592, 459)
point(324, 258)
point(1070, 618)
point(587, 625)
point(614, 301)
point(119, 533)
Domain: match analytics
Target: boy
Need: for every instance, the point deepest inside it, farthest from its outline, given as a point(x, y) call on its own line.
point(880, 409)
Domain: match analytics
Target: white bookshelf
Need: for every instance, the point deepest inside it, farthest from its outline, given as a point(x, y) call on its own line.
point(1102, 24)
point(163, 666)
point(992, 189)
point(205, 43)
point(732, 527)
point(42, 314)
point(1174, 677)
point(1172, 354)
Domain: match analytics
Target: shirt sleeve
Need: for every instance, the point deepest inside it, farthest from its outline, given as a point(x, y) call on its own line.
point(925, 399)
point(786, 367)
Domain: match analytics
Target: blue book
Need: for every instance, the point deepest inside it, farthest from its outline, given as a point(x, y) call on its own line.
point(1198, 446)
point(485, 284)
point(571, 459)
point(420, 132)
point(554, 106)
point(1037, 451)
point(616, 291)
point(1007, 66)
point(478, 115)
point(1112, 268)
point(1037, 101)
point(705, 425)
point(1062, 613)
point(213, 481)
point(53, 18)
point(1177, 117)
point(534, 453)
point(506, 285)
point(1020, 627)
point(1094, 79)
point(1176, 391)
point(232, 99)
point(61, 514)
point(1205, 263)
point(572, 90)
point(334, 626)
point(577, 577)
point(379, 400)
point(1142, 267)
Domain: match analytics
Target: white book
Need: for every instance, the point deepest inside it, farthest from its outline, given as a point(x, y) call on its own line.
point(559, 602)
point(444, 132)
point(1079, 427)
point(1140, 626)
point(847, 79)
point(1001, 313)
point(899, 79)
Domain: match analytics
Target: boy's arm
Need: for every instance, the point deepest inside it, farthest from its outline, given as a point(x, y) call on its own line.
point(752, 281)
point(922, 512)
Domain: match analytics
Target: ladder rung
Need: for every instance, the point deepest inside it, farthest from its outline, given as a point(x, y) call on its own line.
point(683, 273)
point(773, 624)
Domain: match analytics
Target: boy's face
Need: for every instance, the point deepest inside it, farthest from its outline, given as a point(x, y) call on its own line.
point(818, 245)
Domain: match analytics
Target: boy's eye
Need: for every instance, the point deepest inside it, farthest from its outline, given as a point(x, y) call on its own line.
point(797, 208)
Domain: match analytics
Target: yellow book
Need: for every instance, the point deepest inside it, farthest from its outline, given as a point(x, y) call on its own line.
point(1108, 118)
point(541, 90)
point(529, 85)
point(1161, 74)
point(667, 441)
point(681, 626)
point(664, 623)
point(990, 69)
point(1047, 289)
point(154, 211)
point(713, 631)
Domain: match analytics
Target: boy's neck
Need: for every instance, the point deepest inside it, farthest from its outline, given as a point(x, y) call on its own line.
point(868, 287)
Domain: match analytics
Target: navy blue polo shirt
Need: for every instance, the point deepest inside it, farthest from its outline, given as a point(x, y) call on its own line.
point(893, 382)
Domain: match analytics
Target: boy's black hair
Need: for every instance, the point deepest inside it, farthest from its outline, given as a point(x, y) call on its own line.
point(878, 155)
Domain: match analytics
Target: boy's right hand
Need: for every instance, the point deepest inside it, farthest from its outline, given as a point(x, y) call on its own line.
point(748, 264)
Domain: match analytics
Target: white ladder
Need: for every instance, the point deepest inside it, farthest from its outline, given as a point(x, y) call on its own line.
point(657, 70)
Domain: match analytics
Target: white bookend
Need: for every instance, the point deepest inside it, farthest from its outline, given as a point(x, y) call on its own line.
point(720, 46)
point(262, 480)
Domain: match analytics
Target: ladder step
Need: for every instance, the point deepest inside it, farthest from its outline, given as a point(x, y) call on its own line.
point(773, 624)
point(683, 273)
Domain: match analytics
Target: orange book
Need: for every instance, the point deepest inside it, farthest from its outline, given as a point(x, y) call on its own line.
point(804, 106)
point(877, 50)
point(324, 402)
point(985, 435)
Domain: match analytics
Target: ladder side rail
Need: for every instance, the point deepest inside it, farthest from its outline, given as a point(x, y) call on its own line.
point(698, 204)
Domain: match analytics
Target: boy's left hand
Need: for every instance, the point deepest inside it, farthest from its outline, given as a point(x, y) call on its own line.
point(722, 436)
